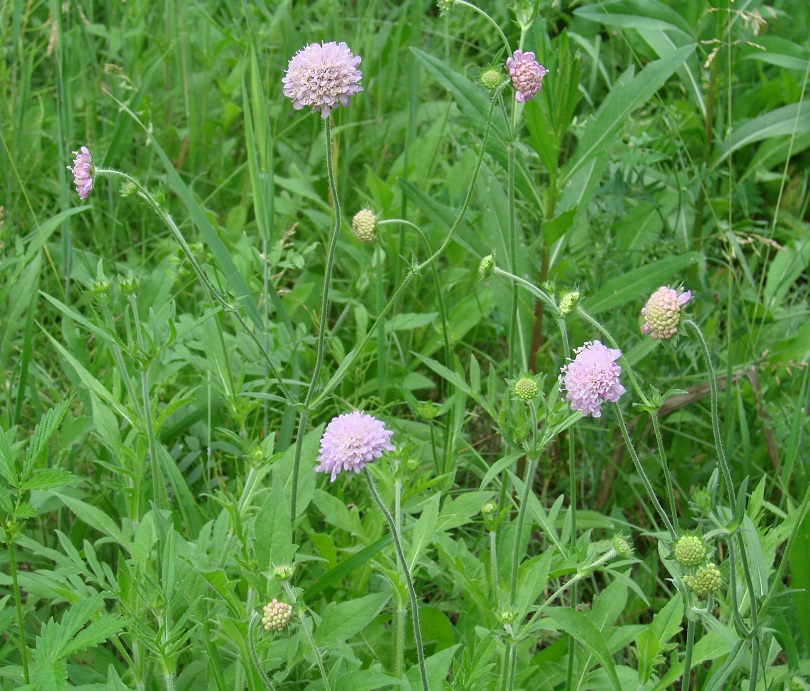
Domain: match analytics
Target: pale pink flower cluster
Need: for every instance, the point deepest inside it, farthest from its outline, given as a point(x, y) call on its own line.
point(527, 75)
point(662, 313)
point(351, 441)
point(592, 378)
point(276, 615)
point(324, 76)
point(82, 172)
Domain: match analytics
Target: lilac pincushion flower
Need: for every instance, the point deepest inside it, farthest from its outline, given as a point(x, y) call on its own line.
point(82, 172)
point(662, 313)
point(324, 76)
point(592, 378)
point(527, 75)
point(350, 441)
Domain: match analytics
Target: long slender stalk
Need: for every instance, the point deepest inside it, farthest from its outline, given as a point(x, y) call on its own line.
point(686, 680)
point(254, 621)
point(18, 606)
point(304, 619)
point(158, 481)
point(662, 457)
point(417, 269)
point(147, 196)
point(324, 320)
point(417, 631)
point(643, 474)
point(521, 517)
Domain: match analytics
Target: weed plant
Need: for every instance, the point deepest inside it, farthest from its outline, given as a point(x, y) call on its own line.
point(536, 271)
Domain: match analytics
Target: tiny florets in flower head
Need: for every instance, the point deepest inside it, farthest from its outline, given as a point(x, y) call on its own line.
point(526, 388)
point(276, 615)
point(690, 550)
point(364, 225)
point(662, 313)
point(707, 579)
point(592, 378)
point(324, 76)
point(350, 441)
point(527, 75)
point(491, 79)
point(82, 172)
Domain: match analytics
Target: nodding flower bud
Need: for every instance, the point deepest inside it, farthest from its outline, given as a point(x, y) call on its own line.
point(364, 225)
point(690, 550)
point(427, 410)
point(491, 79)
point(526, 388)
point(622, 546)
point(276, 615)
point(569, 302)
point(707, 579)
point(283, 572)
point(486, 267)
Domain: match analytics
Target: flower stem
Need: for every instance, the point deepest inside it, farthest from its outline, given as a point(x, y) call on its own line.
point(521, 517)
point(640, 470)
point(686, 680)
point(490, 20)
point(323, 325)
point(302, 616)
point(417, 631)
point(144, 194)
point(18, 606)
point(254, 621)
point(418, 268)
point(662, 457)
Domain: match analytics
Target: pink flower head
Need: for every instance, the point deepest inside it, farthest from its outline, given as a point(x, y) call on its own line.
point(527, 75)
point(662, 313)
point(592, 378)
point(324, 76)
point(350, 441)
point(82, 172)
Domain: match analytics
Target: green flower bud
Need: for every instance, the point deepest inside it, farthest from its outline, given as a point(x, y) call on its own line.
point(445, 5)
point(690, 550)
point(707, 579)
point(284, 572)
point(485, 267)
point(569, 302)
point(622, 546)
point(491, 79)
point(525, 388)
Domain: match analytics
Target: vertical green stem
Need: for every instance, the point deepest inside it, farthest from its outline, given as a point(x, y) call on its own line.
point(513, 315)
point(493, 564)
point(643, 474)
point(686, 680)
point(158, 481)
point(18, 606)
point(254, 622)
point(662, 457)
point(521, 517)
point(417, 631)
point(399, 636)
point(304, 619)
point(324, 320)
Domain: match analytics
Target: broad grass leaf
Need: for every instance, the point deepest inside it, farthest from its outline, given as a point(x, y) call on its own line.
point(344, 620)
point(333, 577)
point(789, 120)
point(582, 629)
point(437, 666)
point(780, 52)
point(637, 14)
point(365, 680)
point(94, 517)
point(800, 576)
point(639, 283)
point(627, 94)
point(785, 268)
point(423, 529)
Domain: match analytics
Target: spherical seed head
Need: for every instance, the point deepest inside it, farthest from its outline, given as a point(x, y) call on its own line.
point(622, 546)
point(592, 378)
point(707, 579)
point(324, 76)
point(526, 388)
point(364, 225)
point(350, 441)
point(690, 550)
point(662, 313)
point(82, 172)
point(491, 79)
point(485, 267)
point(527, 75)
point(276, 615)
point(569, 303)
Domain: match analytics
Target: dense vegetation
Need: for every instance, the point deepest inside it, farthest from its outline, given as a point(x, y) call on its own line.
point(169, 365)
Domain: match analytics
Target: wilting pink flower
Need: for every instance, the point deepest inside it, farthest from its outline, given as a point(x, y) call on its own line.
point(324, 76)
point(350, 441)
point(82, 172)
point(662, 313)
point(527, 75)
point(592, 378)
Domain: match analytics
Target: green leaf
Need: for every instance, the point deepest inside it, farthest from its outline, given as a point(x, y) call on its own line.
point(334, 576)
point(44, 430)
point(636, 284)
point(423, 530)
point(786, 121)
point(94, 517)
point(636, 14)
point(784, 270)
point(580, 627)
point(437, 666)
point(647, 649)
point(272, 528)
point(343, 620)
point(365, 680)
point(627, 94)
point(49, 479)
point(8, 468)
